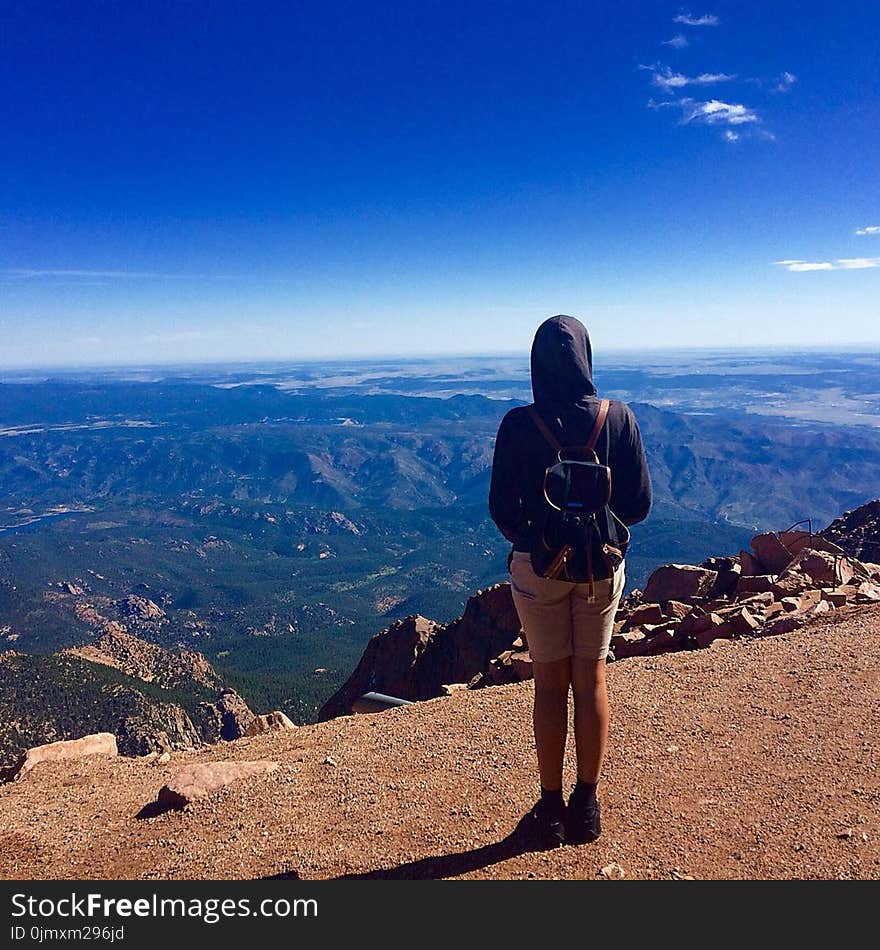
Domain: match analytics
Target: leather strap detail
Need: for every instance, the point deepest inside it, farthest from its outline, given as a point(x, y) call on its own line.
point(544, 429)
point(604, 405)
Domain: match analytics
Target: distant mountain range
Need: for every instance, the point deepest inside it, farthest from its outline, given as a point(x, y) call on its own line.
point(277, 531)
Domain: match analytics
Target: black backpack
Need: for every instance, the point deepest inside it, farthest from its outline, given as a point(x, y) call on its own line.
point(578, 537)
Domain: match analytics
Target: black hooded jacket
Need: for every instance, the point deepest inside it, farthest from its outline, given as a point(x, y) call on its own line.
point(562, 386)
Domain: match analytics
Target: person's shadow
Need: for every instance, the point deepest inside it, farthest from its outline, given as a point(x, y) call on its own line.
point(520, 841)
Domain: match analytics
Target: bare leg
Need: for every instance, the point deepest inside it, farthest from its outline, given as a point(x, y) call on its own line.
point(590, 716)
point(552, 682)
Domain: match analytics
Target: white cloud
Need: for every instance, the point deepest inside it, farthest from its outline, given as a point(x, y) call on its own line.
point(868, 229)
point(784, 82)
point(688, 19)
point(726, 113)
point(713, 112)
point(858, 263)
point(846, 263)
point(679, 41)
point(799, 266)
point(730, 136)
point(667, 80)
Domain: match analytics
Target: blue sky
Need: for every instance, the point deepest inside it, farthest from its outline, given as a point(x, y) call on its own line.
point(201, 181)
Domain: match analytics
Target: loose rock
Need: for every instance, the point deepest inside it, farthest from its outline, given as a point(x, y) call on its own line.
point(198, 781)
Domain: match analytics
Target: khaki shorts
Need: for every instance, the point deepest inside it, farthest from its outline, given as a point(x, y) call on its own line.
point(558, 618)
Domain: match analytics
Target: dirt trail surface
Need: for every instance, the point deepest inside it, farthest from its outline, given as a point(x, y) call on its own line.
point(750, 759)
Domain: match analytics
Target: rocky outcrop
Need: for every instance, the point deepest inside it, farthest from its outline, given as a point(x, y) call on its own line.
point(227, 718)
point(858, 532)
point(269, 722)
point(199, 781)
point(146, 661)
point(415, 657)
point(157, 728)
point(140, 608)
point(785, 579)
point(101, 743)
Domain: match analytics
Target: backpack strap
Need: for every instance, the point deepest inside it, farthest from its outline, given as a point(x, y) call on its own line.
point(555, 444)
point(602, 415)
point(544, 429)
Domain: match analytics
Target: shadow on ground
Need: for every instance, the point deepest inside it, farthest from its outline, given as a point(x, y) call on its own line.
point(520, 841)
point(152, 810)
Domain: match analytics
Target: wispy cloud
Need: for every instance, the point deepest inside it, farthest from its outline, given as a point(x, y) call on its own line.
point(785, 82)
point(712, 112)
point(715, 112)
point(798, 266)
point(845, 263)
point(668, 80)
point(688, 19)
point(737, 120)
point(868, 229)
point(858, 263)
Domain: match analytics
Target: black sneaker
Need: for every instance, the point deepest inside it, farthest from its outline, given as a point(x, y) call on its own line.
point(548, 824)
point(583, 823)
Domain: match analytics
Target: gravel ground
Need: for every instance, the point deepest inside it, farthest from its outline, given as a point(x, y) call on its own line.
point(751, 759)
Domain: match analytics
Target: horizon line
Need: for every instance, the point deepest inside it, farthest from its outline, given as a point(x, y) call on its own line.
point(850, 346)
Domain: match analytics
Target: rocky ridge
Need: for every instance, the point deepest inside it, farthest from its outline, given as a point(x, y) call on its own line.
point(150, 698)
point(786, 579)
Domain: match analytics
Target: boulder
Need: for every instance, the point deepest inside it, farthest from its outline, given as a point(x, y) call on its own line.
point(521, 664)
point(633, 643)
point(796, 541)
point(802, 602)
point(822, 569)
point(772, 554)
point(696, 623)
point(270, 722)
point(837, 596)
point(646, 614)
point(676, 610)
point(198, 781)
point(785, 624)
point(742, 622)
point(99, 743)
point(867, 593)
point(791, 584)
point(679, 582)
point(662, 641)
point(729, 571)
point(755, 584)
point(749, 564)
point(714, 632)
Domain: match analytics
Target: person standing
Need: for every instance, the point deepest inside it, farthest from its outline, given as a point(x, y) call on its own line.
point(567, 623)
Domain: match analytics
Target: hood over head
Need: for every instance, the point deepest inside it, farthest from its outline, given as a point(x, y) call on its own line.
point(562, 362)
